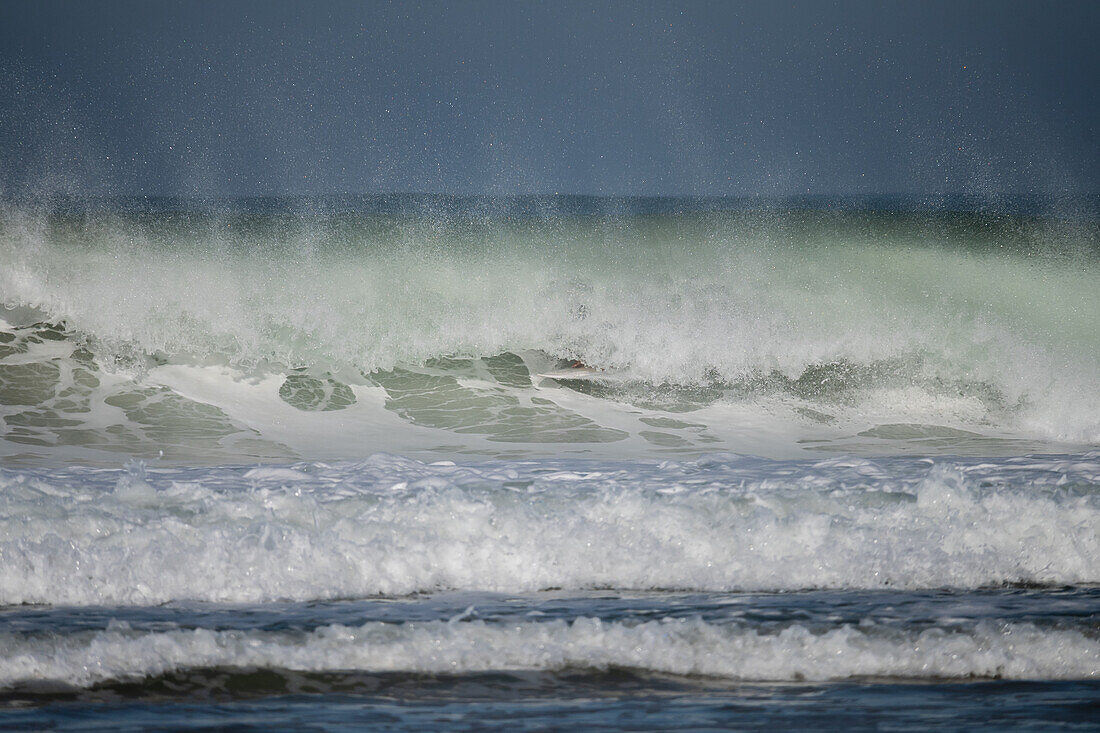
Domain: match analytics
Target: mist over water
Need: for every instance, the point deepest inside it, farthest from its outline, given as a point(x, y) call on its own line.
point(204, 335)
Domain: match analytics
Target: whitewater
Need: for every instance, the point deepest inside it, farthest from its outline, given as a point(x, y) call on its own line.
point(279, 447)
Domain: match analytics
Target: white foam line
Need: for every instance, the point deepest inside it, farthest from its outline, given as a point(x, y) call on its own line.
point(684, 647)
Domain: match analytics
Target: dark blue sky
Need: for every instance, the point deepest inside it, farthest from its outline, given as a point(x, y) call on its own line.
point(770, 98)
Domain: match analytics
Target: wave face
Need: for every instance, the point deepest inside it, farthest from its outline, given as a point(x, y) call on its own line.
point(927, 330)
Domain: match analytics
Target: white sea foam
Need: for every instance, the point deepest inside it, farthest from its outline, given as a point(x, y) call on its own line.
point(683, 646)
point(390, 525)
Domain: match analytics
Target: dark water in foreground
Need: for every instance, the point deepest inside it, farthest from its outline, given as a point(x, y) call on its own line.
point(601, 702)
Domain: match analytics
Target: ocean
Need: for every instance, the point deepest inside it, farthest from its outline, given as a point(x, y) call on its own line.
point(290, 464)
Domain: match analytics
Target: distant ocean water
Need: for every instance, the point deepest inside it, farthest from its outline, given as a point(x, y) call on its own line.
point(288, 462)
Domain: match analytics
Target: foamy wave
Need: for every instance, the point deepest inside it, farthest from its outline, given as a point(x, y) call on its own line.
point(395, 526)
point(902, 324)
point(683, 647)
